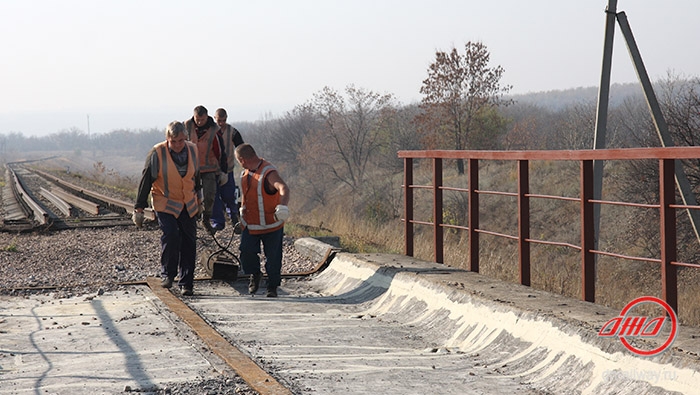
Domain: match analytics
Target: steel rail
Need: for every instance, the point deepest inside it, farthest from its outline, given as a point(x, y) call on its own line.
point(128, 207)
point(244, 366)
point(61, 204)
point(83, 204)
point(36, 211)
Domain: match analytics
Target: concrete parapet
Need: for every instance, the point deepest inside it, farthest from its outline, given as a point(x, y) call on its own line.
point(544, 339)
point(316, 249)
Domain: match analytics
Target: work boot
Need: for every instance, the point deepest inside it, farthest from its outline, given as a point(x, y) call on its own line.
point(166, 282)
point(254, 283)
point(187, 291)
point(271, 292)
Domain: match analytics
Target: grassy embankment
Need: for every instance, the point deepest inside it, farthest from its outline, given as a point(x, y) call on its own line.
point(554, 268)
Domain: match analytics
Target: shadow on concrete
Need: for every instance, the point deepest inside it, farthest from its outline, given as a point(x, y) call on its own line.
point(133, 363)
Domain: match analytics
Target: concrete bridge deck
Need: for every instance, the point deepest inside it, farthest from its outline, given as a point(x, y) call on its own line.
point(368, 323)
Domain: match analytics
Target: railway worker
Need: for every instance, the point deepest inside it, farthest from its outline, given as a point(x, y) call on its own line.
point(171, 176)
point(226, 188)
point(205, 133)
point(264, 199)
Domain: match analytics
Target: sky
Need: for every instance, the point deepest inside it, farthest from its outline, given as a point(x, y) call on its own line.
point(99, 66)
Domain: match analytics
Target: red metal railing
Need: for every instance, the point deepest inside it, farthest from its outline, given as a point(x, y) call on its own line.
point(667, 207)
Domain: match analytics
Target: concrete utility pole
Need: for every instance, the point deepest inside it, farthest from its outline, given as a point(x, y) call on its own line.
point(602, 113)
point(659, 121)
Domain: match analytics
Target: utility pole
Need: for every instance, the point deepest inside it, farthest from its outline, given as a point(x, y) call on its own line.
point(602, 113)
point(682, 182)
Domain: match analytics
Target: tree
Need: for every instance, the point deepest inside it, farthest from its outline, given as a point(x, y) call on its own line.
point(350, 134)
point(398, 132)
point(291, 130)
point(679, 99)
point(459, 89)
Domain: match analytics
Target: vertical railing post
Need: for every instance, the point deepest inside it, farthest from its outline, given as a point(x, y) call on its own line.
point(524, 222)
point(408, 205)
point(473, 220)
point(667, 197)
point(587, 233)
point(437, 210)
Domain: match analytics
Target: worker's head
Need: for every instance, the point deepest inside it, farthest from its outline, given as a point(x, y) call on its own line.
point(176, 135)
point(246, 156)
point(201, 115)
point(220, 117)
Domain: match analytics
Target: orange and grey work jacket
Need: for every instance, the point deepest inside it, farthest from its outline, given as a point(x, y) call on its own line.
point(228, 134)
point(208, 160)
point(257, 204)
point(172, 192)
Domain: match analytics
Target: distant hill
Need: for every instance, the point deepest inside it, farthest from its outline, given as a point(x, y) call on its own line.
point(556, 100)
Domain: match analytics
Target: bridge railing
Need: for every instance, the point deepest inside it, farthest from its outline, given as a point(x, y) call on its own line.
point(666, 207)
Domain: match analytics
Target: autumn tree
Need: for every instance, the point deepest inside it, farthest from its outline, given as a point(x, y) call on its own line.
point(525, 130)
point(461, 89)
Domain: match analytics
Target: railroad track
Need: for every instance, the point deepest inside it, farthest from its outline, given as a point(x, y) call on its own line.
point(34, 199)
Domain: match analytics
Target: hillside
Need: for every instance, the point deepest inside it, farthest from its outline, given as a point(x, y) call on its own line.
point(556, 100)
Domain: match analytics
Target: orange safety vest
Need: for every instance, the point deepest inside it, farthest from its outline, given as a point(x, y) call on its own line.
point(208, 162)
point(170, 191)
point(259, 206)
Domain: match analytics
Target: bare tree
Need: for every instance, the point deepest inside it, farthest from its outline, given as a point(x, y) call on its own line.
point(398, 132)
point(285, 136)
point(680, 102)
point(458, 90)
point(350, 133)
point(575, 126)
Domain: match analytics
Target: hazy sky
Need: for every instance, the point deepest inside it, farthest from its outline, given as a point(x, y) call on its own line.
point(141, 64)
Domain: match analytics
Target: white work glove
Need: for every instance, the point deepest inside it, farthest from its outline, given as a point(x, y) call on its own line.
point(223, 178)
point(281, 212)
point(138, 219)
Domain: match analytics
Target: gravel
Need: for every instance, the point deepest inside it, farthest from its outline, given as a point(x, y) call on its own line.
point(77, 261)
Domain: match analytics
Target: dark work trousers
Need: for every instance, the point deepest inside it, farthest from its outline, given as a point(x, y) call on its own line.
point(225, 198)
point(208, 193)
point(178, 246)
point(272, 246)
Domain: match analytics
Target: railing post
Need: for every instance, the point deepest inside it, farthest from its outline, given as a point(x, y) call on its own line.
point(587, 233)
point(437, 210)
point(473, 174)
point(667, 215)
point(408, 205)
point(524, 222)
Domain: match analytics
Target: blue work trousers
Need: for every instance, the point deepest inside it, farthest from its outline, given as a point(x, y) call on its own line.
point(272, 246)
point(225, 199)
point(178, 244)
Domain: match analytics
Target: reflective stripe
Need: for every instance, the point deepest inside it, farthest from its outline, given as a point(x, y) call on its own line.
point(164, 171)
